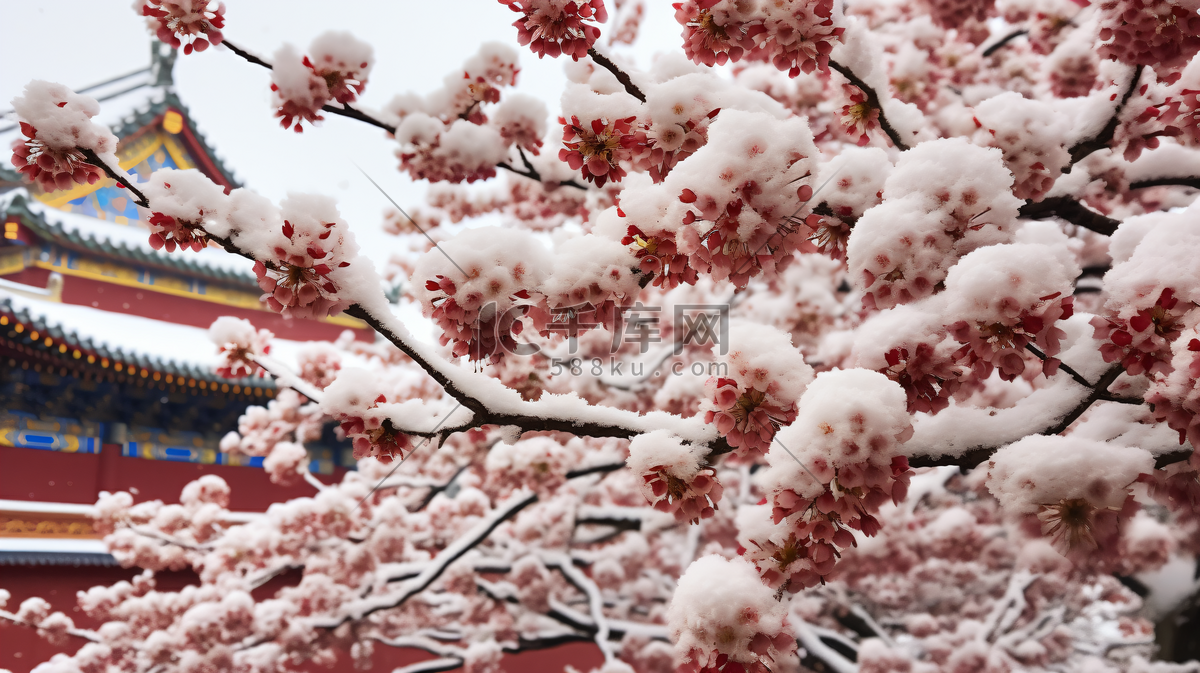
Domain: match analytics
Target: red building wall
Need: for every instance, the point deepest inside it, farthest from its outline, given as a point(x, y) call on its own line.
point(52, 476)
point(181, 310)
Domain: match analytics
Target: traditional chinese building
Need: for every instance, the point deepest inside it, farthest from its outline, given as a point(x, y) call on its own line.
point(106, 377)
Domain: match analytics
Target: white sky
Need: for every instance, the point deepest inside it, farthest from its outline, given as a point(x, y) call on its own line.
point(416, 42)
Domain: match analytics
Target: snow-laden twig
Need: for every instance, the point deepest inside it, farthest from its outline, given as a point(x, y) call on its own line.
point(424, 643)
point(1067, 208)
point(284, 376)
point(432, 666)
point(1101, 140)
point(816, 648)
point(78, 633)
point(1009, 609)
point(563, 564)
point(359, 609)
point(1192, 181)
point(873, 101)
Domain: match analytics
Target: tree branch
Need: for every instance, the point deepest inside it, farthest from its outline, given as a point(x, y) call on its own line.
point(357, 610)
point(974, 457)
point(1061, 366)
point(1192, 181)
point(533, 174)
point(345, 110)
point(1066, 208)
point(1004, 40)
point(95, 160)
point(872, 101)
point(622, 76)
point(1085, 147)
point(78, 633)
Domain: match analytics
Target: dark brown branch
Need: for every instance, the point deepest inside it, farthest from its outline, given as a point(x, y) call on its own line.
point(361, 116)
point(1066, 208)
point(1192, 181)
point(1098, 392)
point(1085, 147)
point(622, 76)
point(873, 102)
point(595, 469)
point(345, 111)
point(1004, 40)
point(95, 160)
point(246, 55)
point(1062, 367)
point(532, 174)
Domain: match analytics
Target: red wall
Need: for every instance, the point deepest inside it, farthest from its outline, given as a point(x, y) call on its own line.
point(180, 310)
point(53, 476)
point(21, 649)
point(31, 474)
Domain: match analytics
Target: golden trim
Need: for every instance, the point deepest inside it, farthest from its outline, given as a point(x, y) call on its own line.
point(47, 526)
point(178, 154)
point(143, 154)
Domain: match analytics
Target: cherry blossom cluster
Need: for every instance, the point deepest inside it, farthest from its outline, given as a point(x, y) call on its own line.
point(464, 92)
point(183, 202)
point(597, 147)
point(239, 344)
point(1144, 32)
point(199, 518)
point(367, 416)
point(1147, 308)
point(830, 472)
point(960, 13)
point(556, 27)
point(1179, 113)
point(537, 462)
point(196, 22)
point(288, 416)
point(1081, 507)
point(722, 618)
point(335, 71)
point(795, 36)
point(446, 135)
point(627, 21)
point(52, 625)
point(674, 476)
point(852, 182)
point(730, 227)
point(758, 392)
point(473, 294)
point(592, 280)
point(678, 124)
point(1176, 396)
point(1031, 134)
point(306, 248)
point(944, 198)
point(318, 363)
point(57, 126)
point(909, 345)
point(858, 117)
point(1009, 297)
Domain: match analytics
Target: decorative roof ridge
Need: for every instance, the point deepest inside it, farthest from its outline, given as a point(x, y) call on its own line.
point(56, 331)
point(173, 100)
point(19, 205)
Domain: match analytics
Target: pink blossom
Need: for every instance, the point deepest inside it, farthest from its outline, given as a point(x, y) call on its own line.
point(196, 22)
point(51, 168)
point(554, 27)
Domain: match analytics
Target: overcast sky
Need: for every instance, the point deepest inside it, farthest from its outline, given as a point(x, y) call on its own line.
point(417, 42)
